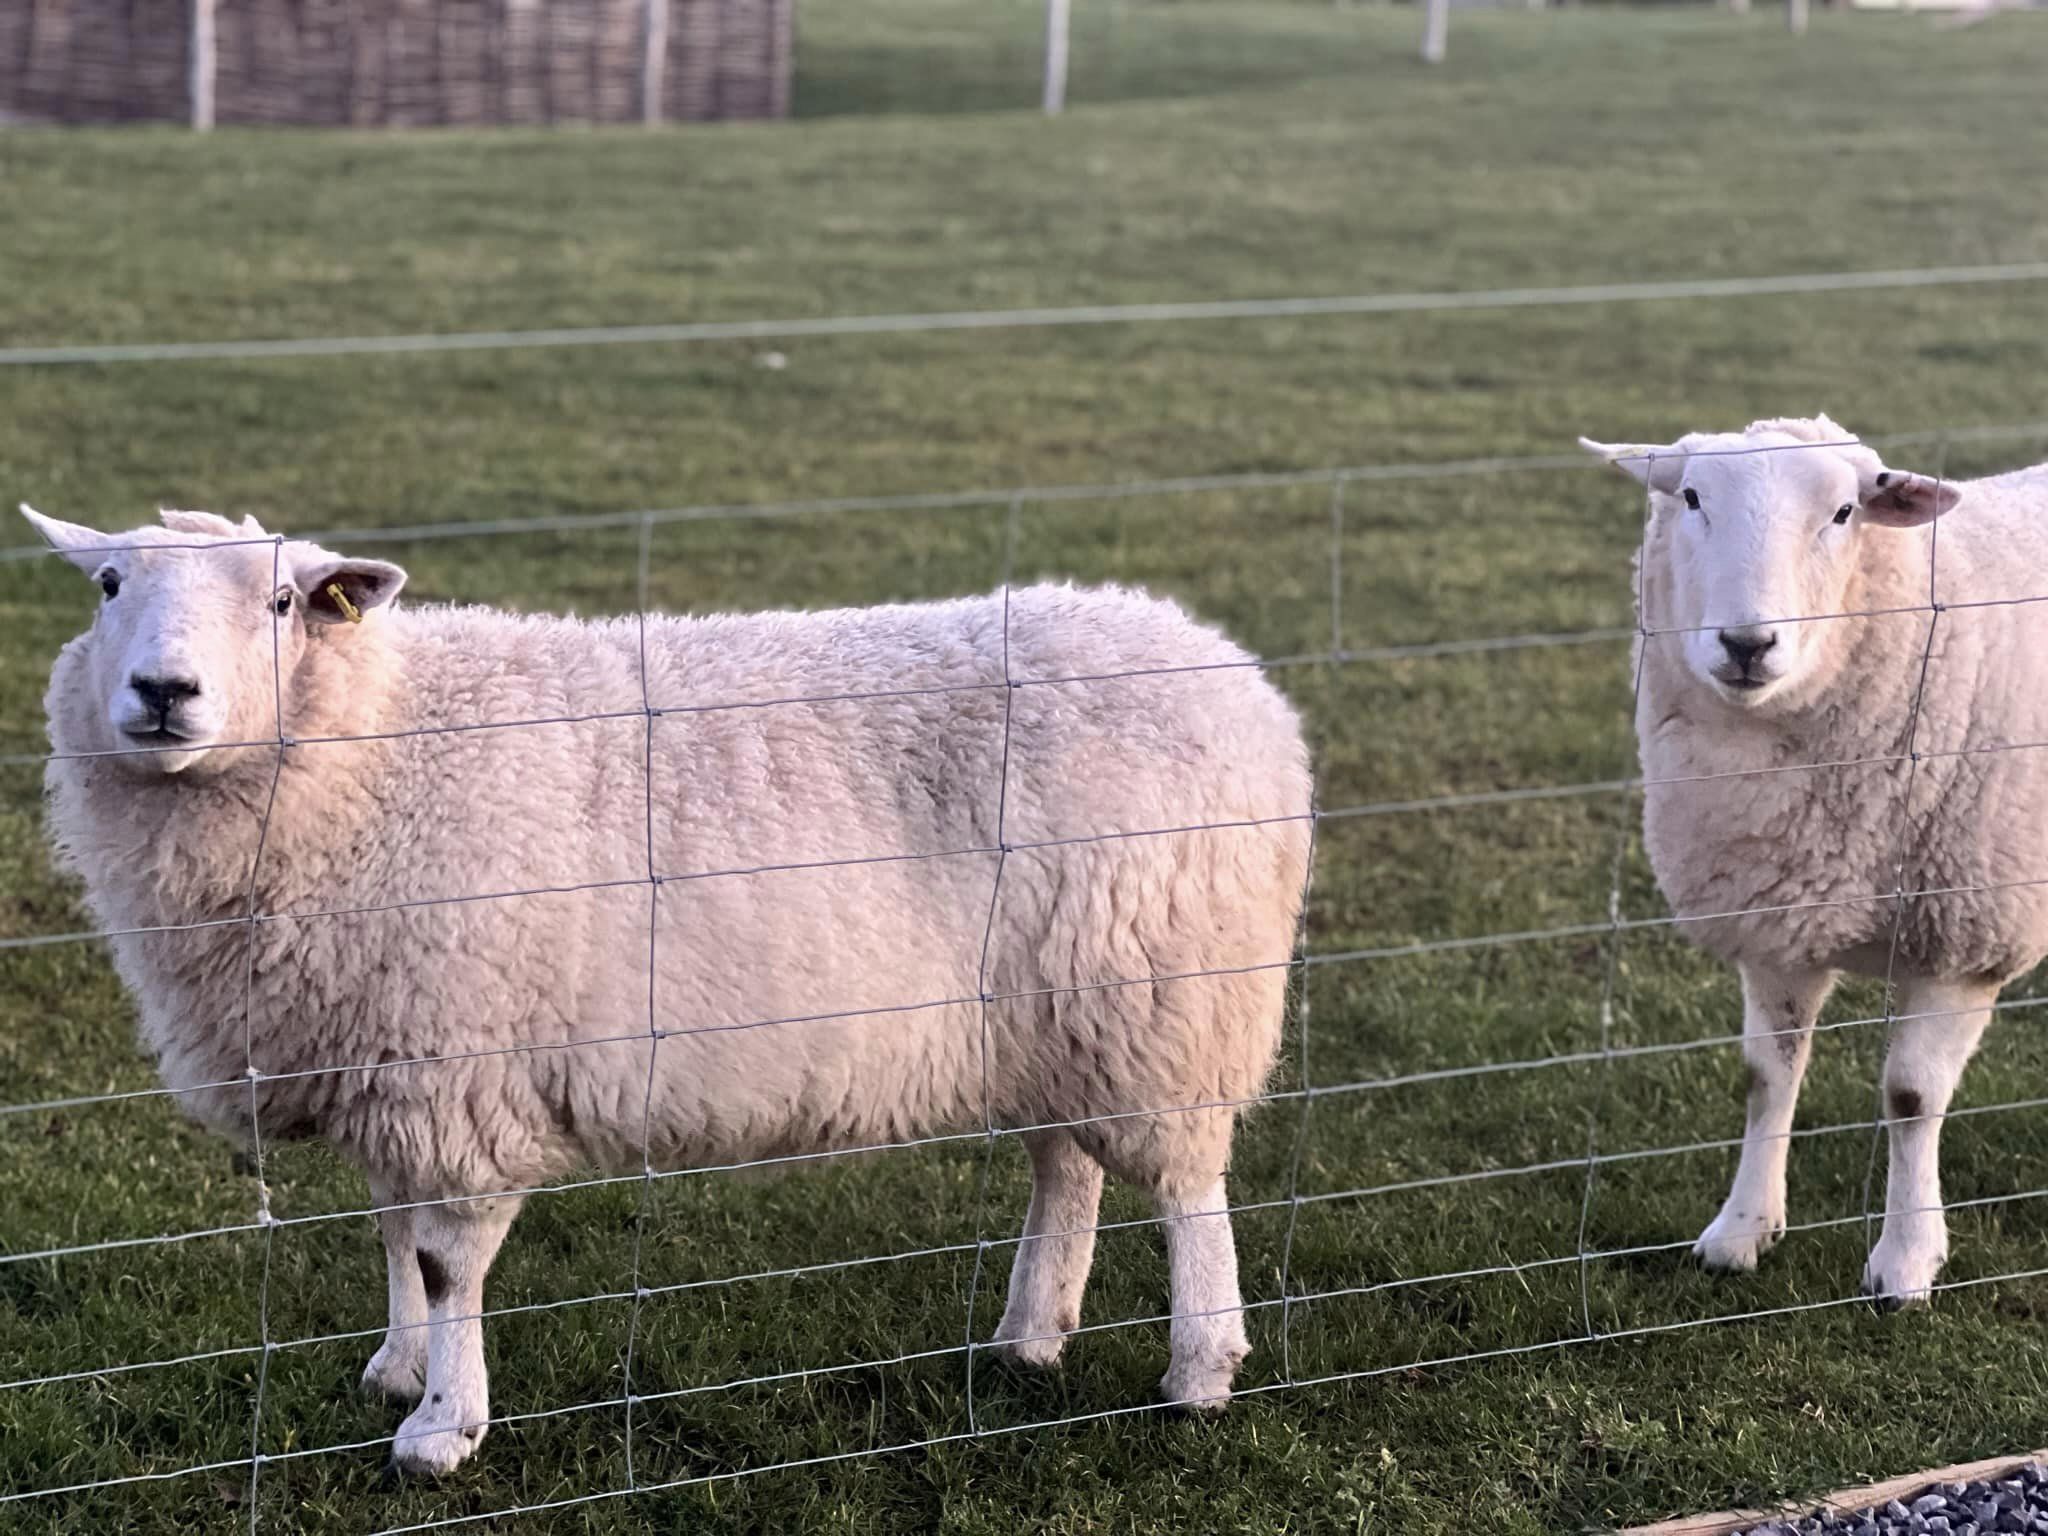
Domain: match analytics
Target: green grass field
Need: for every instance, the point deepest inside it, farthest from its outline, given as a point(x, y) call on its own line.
point(1214, 151)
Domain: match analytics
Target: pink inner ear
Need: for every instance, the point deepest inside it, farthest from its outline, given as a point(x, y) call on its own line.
point(1910, 498)
point(1898, 497)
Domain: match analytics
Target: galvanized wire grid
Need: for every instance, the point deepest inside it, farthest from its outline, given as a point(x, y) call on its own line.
point(982, 1248)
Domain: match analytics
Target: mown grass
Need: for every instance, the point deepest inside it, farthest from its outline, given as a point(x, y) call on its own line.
point(1247, 150)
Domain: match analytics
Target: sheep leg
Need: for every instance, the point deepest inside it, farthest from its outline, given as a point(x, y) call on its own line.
point(455, 1246)
point(1778, 1010)
point(399, 1367)
point(1051, 1268)
point(1208, 1313)
point(1934, 1039)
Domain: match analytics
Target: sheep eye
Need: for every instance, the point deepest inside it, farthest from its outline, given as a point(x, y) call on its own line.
point(110, 582)
point(1844, 512)
point(1692, 498)
point(282, 603)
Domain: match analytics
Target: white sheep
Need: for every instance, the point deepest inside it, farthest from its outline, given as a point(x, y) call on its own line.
point(1829, 678)
point(866, 928)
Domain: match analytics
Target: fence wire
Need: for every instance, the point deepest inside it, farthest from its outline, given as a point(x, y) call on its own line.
point(813, 327)
point(1609, 930)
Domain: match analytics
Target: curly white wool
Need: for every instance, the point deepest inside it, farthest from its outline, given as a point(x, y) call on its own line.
point(1814, 805)
point(802, 1005)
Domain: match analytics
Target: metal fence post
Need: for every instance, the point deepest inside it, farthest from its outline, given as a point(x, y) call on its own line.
point(1056, 17)
point(653, 60)
point(1436, 31)
point(200, 64)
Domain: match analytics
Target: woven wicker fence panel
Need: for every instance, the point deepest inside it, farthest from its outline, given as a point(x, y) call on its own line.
point(427, 63)
point(93, 60)
point(728, 58)
point(393, 63)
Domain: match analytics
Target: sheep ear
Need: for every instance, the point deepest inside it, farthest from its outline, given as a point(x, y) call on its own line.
point(1897, 498)
point(86, 548)
point(1659, 468)
point(338, 590)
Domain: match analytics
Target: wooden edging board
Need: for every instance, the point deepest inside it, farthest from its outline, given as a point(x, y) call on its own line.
point(1846, 1500)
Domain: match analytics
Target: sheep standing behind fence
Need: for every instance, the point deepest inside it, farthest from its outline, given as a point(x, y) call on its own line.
point(1835, 688)
point(741, 887)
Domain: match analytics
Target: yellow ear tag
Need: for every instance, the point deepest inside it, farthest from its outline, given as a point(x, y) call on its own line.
point(349, 609)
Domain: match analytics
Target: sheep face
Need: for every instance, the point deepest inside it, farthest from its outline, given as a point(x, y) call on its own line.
point(201, 624)
point(1754, 540)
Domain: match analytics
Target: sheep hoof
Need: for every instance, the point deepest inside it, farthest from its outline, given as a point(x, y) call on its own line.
point(1199, 1387)
point(1032, 1354)
point(1733, 1245)
point(398, 1374)
point(1036, 1346)
point(1898, 1279)
point(434, 1446)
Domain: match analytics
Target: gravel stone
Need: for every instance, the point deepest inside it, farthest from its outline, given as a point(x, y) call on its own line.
point(2014, 1505)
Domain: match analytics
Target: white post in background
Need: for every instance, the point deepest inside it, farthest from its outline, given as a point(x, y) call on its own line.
point(1055, 55)
point(1436, 31)
point(200, 64)
point(1795, 16)
point(653, 60)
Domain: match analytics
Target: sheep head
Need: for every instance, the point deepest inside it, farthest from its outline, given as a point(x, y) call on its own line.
point(1756, 537)
point(201, 625)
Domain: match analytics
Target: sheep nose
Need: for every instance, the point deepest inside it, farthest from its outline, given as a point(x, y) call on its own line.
point(1744, 646)
point(163, 694)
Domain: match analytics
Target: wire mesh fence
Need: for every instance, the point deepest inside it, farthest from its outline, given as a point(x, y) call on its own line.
point(1550, 973)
